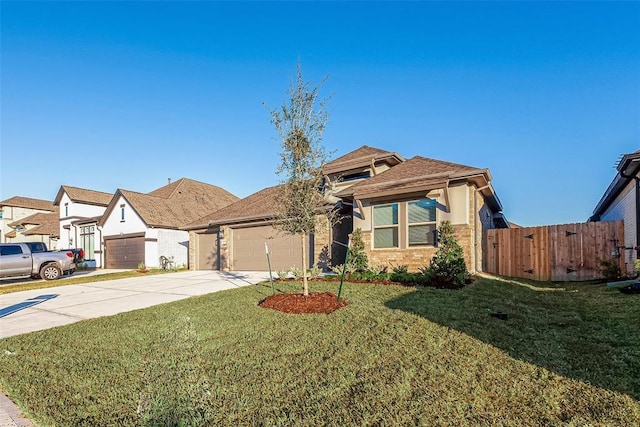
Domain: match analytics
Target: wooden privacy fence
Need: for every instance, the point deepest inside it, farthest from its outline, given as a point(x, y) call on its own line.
point(567, 252)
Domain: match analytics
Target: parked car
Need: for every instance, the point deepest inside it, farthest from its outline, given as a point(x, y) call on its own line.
point(17, 260)
point(78, 253)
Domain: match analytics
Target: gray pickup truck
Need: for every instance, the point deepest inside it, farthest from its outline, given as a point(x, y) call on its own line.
point(17, 260)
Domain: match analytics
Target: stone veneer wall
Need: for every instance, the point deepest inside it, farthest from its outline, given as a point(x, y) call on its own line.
point(419, 257)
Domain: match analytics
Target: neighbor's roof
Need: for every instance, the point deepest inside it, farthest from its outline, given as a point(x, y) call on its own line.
point(174, 205)
point(258, 205)
point(47, 224)
point(361, 157)
point(82, 195)
point(628, 168)
point(29, 203)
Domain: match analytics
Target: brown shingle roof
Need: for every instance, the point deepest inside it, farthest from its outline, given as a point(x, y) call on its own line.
point(358, 158)
point(47, 224)
point(415, 173)
point(37, 218)
point(179, 203)
point(83, 195)
point(257, 205)
point(29, 203)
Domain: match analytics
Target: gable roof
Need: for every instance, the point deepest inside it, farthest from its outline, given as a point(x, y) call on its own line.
point(412, 175)
point(259, 205)
point(45, 224)
point(361, 157)
point(628, 168)
point(174, 205)
point(421, 174)
point(82, 195)
point(29, 203)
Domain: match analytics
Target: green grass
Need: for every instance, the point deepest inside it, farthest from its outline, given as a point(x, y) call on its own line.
point(76, 280)
point(393, 356)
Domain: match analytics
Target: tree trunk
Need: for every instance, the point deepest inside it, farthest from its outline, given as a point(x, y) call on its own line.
point(305, 285)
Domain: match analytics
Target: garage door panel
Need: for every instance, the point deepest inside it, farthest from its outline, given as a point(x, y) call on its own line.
point(249, 254)
point(208, 251)
point(124, 253)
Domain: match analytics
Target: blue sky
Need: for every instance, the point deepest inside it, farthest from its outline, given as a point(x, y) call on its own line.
point(107, 95)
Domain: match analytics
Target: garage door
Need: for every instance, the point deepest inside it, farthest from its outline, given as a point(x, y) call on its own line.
point(124, 253)
point(207, 251)
point(248, 249)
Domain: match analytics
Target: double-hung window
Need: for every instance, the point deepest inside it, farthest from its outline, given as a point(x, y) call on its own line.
point(385, 224)
point(421, 222)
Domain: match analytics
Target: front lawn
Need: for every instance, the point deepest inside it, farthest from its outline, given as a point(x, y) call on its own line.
point(394, 356)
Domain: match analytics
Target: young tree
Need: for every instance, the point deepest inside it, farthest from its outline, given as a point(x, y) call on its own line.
point(300, 123)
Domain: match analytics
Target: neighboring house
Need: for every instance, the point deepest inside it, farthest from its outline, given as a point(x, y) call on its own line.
point(23, 219)
point(80, 210)
point(139, 227)
point(397, 203)
point(621, 201)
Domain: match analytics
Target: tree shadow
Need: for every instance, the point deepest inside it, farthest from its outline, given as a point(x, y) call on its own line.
point(581, 335)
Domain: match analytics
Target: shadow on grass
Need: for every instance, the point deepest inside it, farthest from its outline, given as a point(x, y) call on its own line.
point(587, 333)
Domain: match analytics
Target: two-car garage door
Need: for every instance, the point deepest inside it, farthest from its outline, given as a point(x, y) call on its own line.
point(248, 250)
point(125, 252)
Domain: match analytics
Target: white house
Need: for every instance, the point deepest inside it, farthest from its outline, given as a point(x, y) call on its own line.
point(139, 227)
point(80, 210)
point(621, 201)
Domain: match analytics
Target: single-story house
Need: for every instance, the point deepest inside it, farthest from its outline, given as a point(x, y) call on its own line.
point(23, 219)
point(621, 201)
point(397, 203)
point(80, 210)
point(140, 228)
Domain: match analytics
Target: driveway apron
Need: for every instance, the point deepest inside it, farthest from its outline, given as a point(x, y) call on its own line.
point(34, 310)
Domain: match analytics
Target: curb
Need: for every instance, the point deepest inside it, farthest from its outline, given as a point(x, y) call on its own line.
point(10, 414)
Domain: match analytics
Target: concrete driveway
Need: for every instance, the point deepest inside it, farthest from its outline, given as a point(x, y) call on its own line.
point(34, 310)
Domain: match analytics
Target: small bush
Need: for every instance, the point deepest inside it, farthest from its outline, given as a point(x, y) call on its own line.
point(610, 269)
point(358, 260)
point(447, 268)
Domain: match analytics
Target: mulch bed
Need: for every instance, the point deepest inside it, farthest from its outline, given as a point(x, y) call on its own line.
point(316, 302)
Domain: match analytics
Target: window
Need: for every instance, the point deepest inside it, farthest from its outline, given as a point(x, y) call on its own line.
point(10, 250)
point(66, 209)
point(87, 241)
point(358, 175)
point(1, 213)
point(385, 226)
point(121, 213)
point(421, 222)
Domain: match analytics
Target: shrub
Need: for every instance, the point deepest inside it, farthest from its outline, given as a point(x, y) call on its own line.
point(357, 254)
point(142, 266)
point(447, 267)
point(610, 269)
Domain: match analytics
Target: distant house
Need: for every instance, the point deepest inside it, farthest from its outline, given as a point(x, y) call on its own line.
point(621, 201)
point(397, 203)
point(139, 227)
point(23, 219)
point(80, 210)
